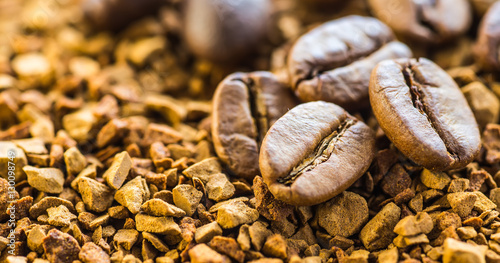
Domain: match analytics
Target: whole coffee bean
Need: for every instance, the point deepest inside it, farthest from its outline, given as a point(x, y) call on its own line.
point(425, 21)
point(116, 14)
point(488, 42)
point(481, 6)
point(245, 105)
point(314, 152)
point(333, 62)
point(423, 112)
point(225, 30)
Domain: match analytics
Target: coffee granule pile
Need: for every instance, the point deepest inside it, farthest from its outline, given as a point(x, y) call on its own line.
point(263, 131)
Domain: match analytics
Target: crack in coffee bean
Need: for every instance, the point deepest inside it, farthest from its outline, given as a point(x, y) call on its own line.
point(314, 152)
point(424, 113)
point(415, 93)
point(257, 108)
point(338, 71)
point(424, 21)
point(313, 73)
point(320, 154)
point(351, 57)
point(417, 97)
point(245, 105)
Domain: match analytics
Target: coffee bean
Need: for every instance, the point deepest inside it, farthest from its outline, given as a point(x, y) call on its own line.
point(245, 105)
point(333, 61)
point(429, 21)
point(116, 14)
point(225, 30)
point(481, 6)
point(314, 152)
point(424, 113)
point(488, 42)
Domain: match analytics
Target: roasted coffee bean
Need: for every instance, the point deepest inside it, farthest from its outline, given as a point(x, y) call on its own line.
point(314, 152)
point(333, 61)
point(245, 105)
point(481, 6)
point(424, 113)
point(225, 30)
point(488, 43)
point(425, 21)
point(116, 14)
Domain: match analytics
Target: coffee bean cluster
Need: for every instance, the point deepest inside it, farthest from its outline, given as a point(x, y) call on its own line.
point(317, 150)
point(249, 131)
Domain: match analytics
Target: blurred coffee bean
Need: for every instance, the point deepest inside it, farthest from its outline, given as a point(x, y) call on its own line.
point(333, 62)
point(488, 42)
point(424, 113)
point(245, 105)
point(314, 152)
point(481, 6)
point(425, 21)
point(116, 14)
point(318, 4)
point(225, 30)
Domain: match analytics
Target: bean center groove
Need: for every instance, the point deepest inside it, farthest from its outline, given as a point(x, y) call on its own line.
point(258, 109)
point(322, 153)
point(417, 96)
